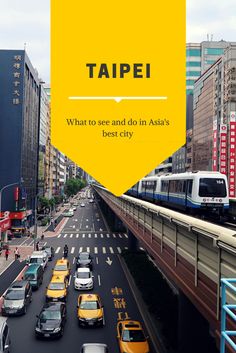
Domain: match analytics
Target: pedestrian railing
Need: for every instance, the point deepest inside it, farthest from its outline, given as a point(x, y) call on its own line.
point(228, 310)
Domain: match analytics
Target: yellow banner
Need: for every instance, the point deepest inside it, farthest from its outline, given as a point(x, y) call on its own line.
point(118, 85)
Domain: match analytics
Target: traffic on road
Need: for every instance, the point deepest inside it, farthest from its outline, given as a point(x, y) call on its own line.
point(80, 300)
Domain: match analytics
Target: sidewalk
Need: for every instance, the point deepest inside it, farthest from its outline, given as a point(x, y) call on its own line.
point(24, 251)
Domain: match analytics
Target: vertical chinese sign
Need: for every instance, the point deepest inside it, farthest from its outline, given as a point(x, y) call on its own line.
point(214, 152)
point(223, 148)
point(232, 145)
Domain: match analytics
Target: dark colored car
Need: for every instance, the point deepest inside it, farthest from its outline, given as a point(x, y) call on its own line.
point(50, 251)
point(84, 260)
point(51, 320)
point(17, 298)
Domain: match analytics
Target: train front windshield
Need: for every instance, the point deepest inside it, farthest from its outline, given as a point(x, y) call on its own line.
point(211, 187)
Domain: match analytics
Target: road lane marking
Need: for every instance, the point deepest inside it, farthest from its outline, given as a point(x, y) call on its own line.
point(31, 243)
point(126, 247)
point(126, 235)
point(77, 235)
point(45, 244)
point(81, 249)
point(86, 220)
point(114, 236)
point(95, 235)
point(58, 249)
point(59, 235)
point(108, 236)
point(86, 226)
point(120, 235)
point(101, 235)
point(83, 236)
point(72, 250)
point(99, 280)
point(73, 260)
point(89, 235)
point(71, 235)
point(97, 260)
point(104, 250)
point(95, 250)
point(88, 249)
point(111, 250)
point(119, 249)
point(69, 281)
point(65, 236)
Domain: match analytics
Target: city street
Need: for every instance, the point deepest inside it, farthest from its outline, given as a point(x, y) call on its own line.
point(85, 231)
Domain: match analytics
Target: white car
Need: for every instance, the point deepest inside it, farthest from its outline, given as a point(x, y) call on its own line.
point(40, 258)
point(83, 279)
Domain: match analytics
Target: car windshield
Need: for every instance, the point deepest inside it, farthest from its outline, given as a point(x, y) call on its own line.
point(60, 268)
point(133, 336)
point(90, 305)
point(84, 256)
point(50, 315)
point(36, 260)
point(29, 276)
point(211, 187)
point(15, 294)
point(56, 286)
point(83, 275)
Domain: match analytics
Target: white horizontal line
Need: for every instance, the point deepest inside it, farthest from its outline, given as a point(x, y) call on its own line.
point(118, 99)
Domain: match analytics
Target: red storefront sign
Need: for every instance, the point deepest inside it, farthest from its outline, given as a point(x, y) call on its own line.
point(5, 224)
point(214, 151)
point(232, 146)
point(223, 148)
point(18, 215)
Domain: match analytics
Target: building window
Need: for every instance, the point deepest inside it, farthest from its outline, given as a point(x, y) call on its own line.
point(193, 52)
point(193, 73)
point(214, 51)
point(193, 64)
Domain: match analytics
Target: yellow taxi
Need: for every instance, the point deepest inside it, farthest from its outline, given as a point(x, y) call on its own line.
point(57, 289)
point(90, 310)
point(62, 267)
point(131, 337)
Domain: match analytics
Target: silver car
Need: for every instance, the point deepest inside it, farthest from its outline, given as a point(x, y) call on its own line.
point(94, 348)
point(4, 336)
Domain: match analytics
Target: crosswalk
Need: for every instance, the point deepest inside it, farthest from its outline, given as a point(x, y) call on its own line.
point(93, 235)
point(93, 250)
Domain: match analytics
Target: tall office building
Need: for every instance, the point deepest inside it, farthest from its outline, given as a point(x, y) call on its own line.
point(19, 119)
point(199, 58)
point(214, 118)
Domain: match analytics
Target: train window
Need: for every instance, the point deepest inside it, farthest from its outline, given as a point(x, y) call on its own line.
point(212, 187)
point(190, 187)
point(164, 186)
point(172, 187)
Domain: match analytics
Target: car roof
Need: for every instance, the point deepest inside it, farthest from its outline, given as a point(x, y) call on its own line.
point(53, 306)
point(89, 297)
point(130, 324)
point(84, 253)
point(58, 278)
point(32, 268)
point(18, 284)
point(83, 269)
point(94, 347)
point(61, 262)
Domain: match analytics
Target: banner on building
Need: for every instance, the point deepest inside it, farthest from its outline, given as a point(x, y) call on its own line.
point(232, 145)
point(223, 148)
point(214, 152)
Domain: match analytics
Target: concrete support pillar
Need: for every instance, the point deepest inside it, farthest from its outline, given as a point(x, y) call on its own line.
point(133, 243)
point(193, 329)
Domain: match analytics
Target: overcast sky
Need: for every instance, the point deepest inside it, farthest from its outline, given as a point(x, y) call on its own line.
point(28, 21)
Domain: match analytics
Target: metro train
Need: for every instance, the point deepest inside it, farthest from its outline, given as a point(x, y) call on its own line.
point(193, 192)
